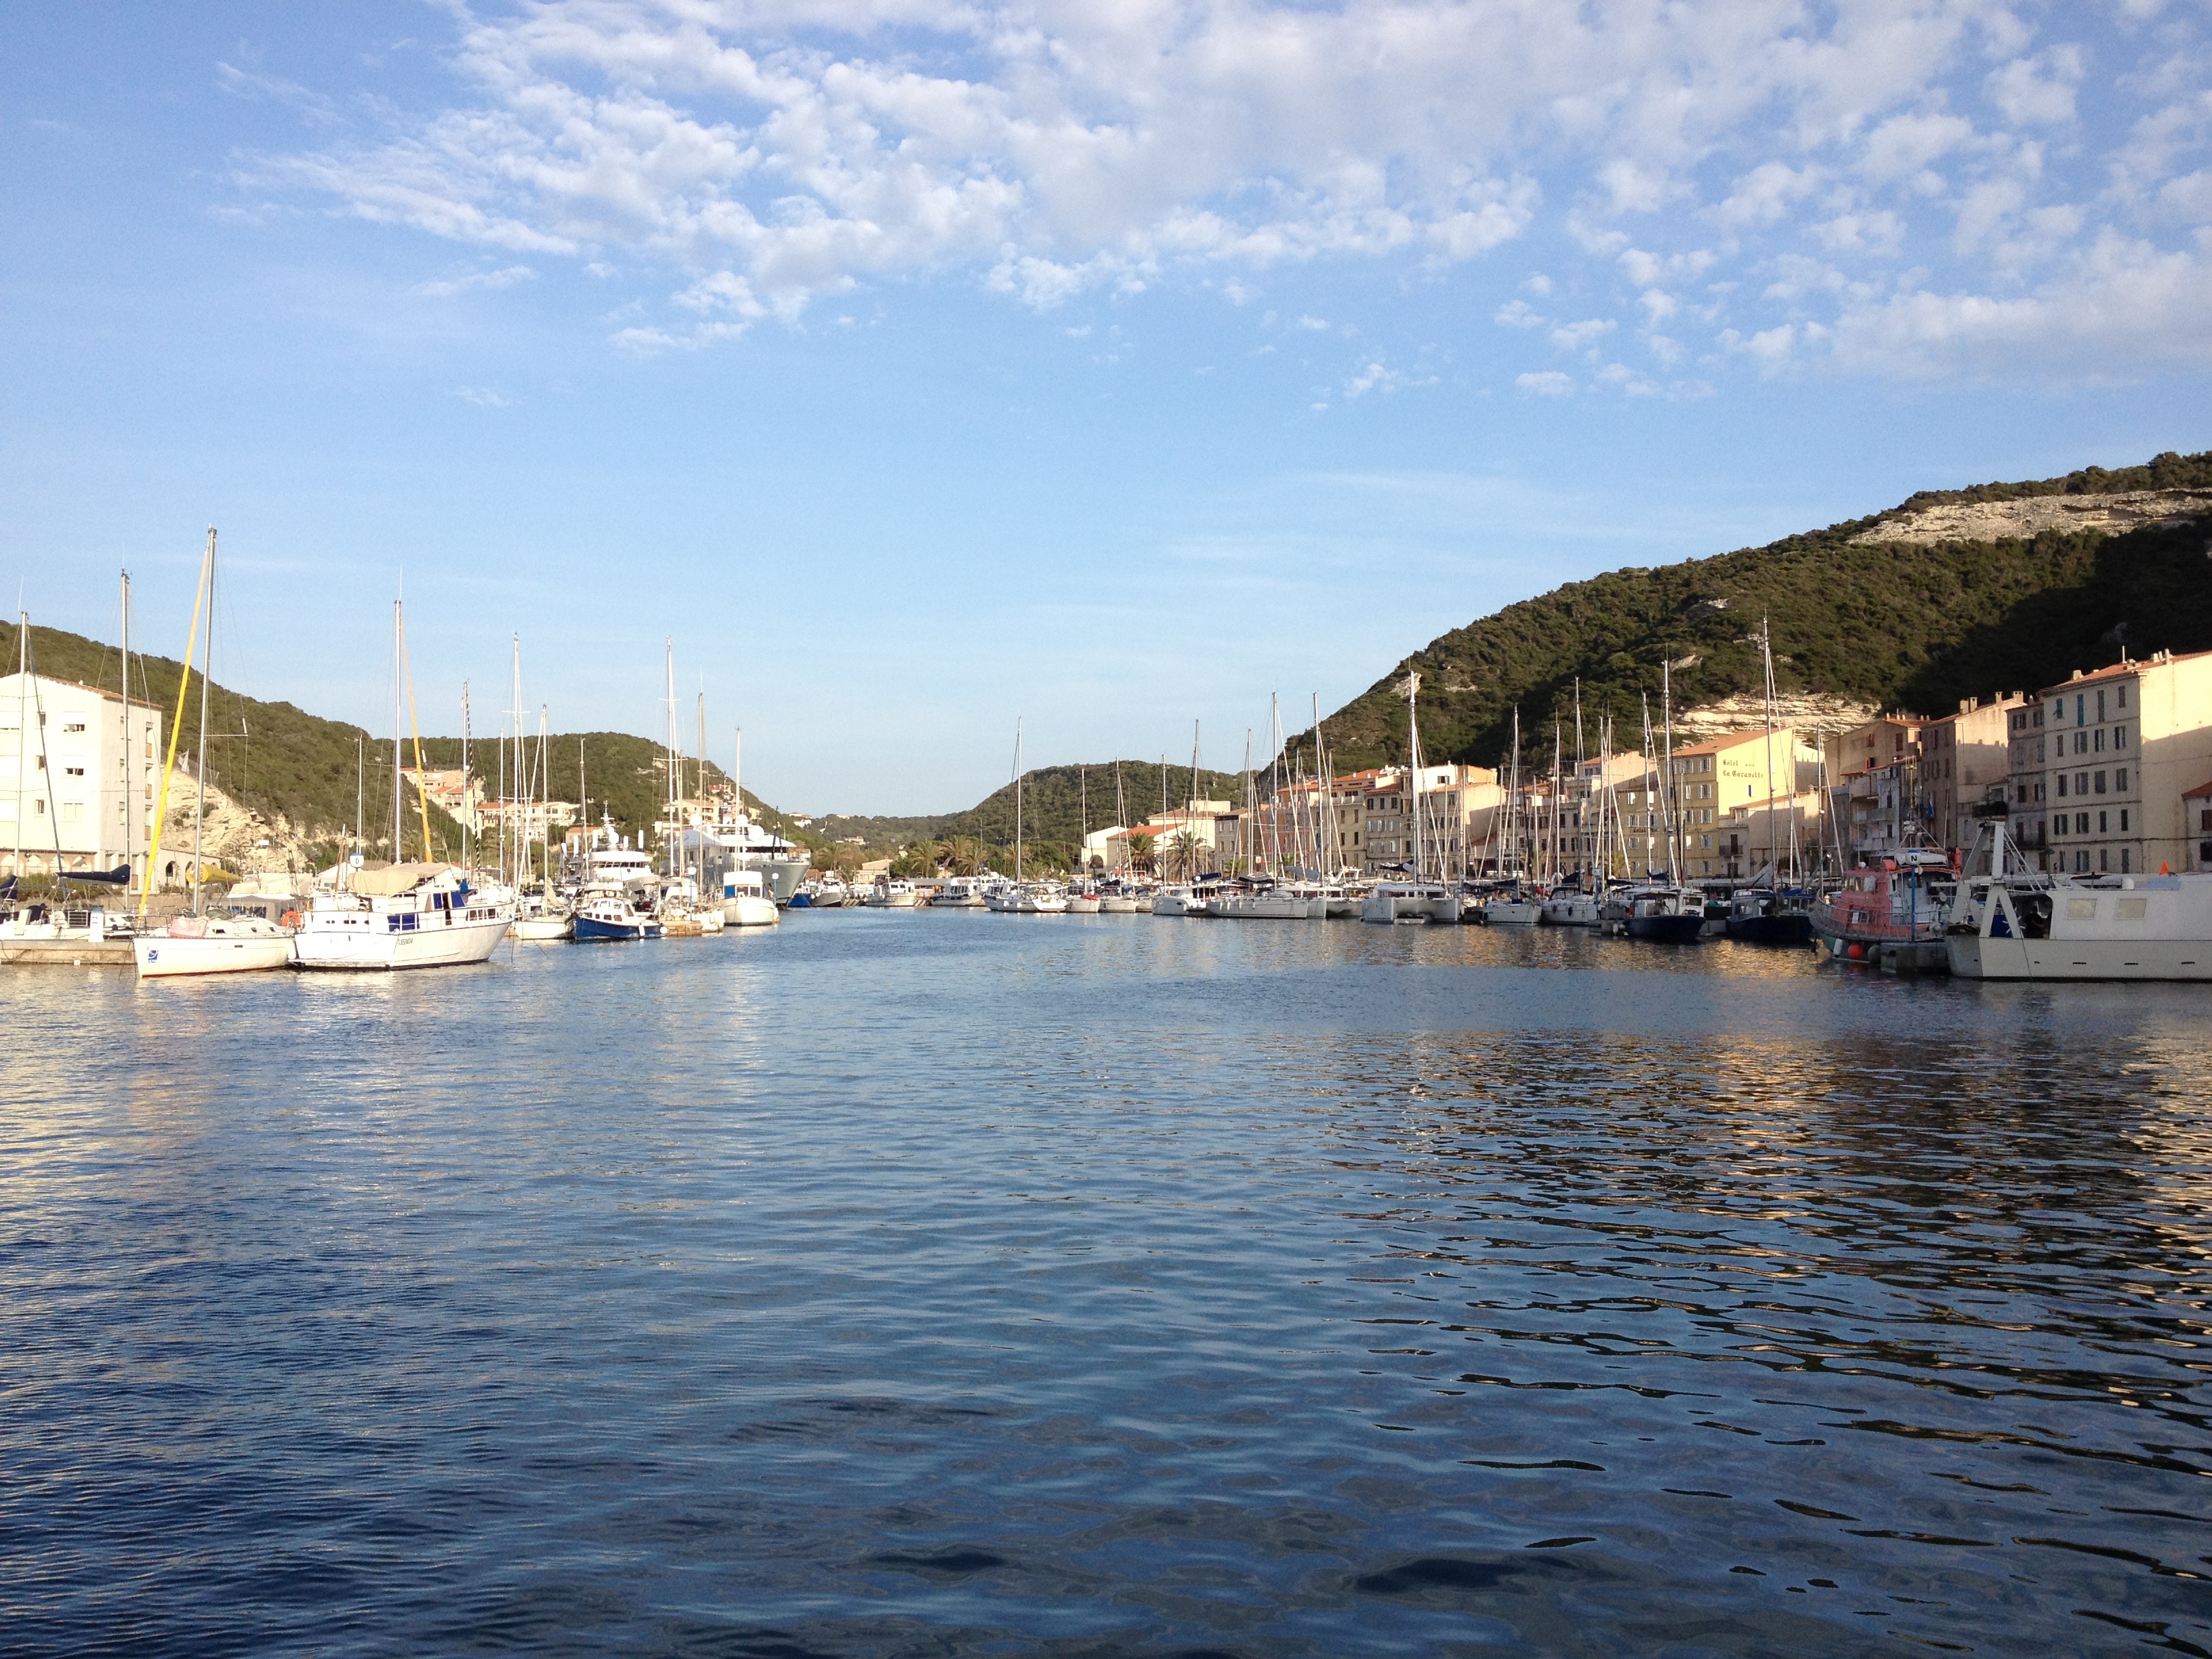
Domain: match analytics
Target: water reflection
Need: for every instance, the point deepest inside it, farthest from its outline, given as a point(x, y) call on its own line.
point(886, 1284)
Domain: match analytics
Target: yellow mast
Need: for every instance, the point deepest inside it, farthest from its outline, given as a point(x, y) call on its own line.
point(176, 728)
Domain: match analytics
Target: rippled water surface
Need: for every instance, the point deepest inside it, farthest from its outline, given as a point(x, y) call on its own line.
point(961, 1283)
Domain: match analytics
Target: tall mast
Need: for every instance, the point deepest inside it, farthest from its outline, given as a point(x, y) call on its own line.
point(1650, 771)
point(360, 788)
point(1582, 784)
point(1083, 813)
point(1017, 798)
point(1413, 769)
point(468, 859)
point(512, 846)
point(1246, 841)
point(127, 859)
point(207, 655)
point(1190, 818)
point(1669, 791)
point(670, 644)
point(701, 795)
point(23, 723)
point(1121, 811)
point(398, 853)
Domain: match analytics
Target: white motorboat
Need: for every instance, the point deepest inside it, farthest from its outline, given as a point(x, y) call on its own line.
point(1408, 901)
point(213, 945)
point(2112, 927)
point(1179, 902)
point(887, 894)
point(959, 893)
point(745, 899)
point(2008, 923)
point(403, 915)
point(1036, 899)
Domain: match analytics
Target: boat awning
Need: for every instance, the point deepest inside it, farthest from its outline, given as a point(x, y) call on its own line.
point(396, 878)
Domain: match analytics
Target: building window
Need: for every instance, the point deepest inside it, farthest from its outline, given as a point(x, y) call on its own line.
point(2119, 736)
point(2101, 783)
point(2104, 860)
point(2081, 823)
point(74, 728)
point(2123, 861)
point(2080, 783)
point(2082, 862)
point(2120, 782)
point(2101, 828)
point(2124, 820)
point(2123, 695)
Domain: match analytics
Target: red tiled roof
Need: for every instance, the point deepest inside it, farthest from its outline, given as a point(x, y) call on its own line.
point(2198, 793)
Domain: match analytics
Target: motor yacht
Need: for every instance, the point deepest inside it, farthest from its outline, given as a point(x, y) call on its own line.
point(402, 915)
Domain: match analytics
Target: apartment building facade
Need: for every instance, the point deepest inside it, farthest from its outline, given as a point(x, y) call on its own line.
point(80, 770)
point(2126, 745)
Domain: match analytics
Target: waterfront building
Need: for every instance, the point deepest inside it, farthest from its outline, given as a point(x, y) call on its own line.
point(2126, 747)
point(1966, 768)
point(1715, 778)
point(2028, 760)
point(2197, 819)
point(80, 771)
point(1876, 803)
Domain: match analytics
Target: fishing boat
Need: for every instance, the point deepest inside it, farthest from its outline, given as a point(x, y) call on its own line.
point(1667, 916)
point(2006, 921)
point(609, 918)
point(746, 899)
point(1889, 913)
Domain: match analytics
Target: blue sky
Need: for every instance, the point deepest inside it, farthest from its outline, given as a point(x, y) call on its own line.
point(916, 365)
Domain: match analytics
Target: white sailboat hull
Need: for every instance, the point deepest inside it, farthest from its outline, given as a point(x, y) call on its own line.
point(161, 956)
point(365, 941)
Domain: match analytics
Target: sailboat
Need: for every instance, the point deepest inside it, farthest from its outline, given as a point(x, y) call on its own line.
point(198, 943)
point(402, 915)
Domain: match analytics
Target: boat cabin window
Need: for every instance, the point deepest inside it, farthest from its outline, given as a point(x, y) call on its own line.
point(2080, 909)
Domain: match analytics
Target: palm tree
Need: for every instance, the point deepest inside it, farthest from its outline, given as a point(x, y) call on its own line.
point(1185, 845)
point(1141, 851)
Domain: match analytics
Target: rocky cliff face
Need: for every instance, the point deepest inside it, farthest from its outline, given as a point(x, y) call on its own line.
point(2029, 516)
point(1812, 715)
point(233, 836)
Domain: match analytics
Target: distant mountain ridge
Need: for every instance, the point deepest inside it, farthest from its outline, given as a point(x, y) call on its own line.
point(1902, 619)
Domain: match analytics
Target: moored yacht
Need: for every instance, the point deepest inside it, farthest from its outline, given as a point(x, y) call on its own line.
point(1409, 901)
point(213, 945)
point(746, 901)
point(1667, 915)
point(402, 915)
point(607, 917)
point(958, 893)
point(2008, 923)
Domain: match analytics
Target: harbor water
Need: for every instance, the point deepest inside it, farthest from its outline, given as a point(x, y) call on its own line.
point(946, 1284)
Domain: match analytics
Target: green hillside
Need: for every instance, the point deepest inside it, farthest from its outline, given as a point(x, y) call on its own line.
point(279, 759)
point(1053, 813)
point(1901, 625)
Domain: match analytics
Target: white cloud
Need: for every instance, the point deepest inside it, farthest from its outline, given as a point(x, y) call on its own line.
point(1573, 336)
point(483, 397)
point(2037, 91)
point(507, 277)
point(1550, 383)
point(763, 156)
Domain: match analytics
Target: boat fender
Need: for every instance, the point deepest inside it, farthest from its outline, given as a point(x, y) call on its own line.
point(290, 919)
point(1856, 952)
